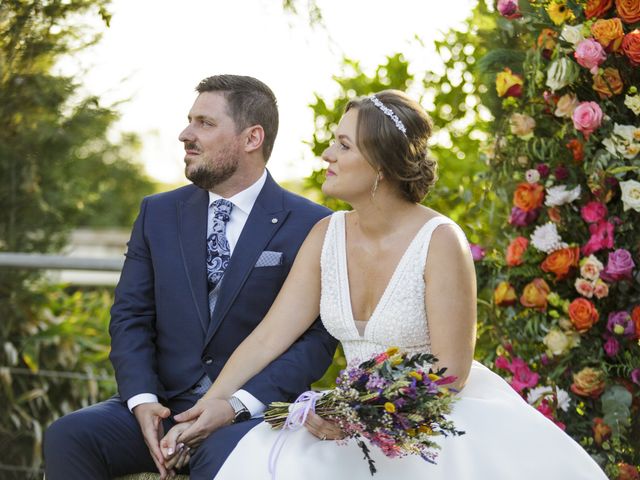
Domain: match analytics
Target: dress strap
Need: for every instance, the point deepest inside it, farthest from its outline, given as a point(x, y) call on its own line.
point(425, 234)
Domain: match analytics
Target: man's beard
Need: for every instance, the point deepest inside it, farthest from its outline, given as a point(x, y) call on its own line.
point(208, 175)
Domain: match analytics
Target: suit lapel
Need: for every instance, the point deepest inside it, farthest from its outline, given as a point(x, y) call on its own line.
point(192, 234)
point(266, 217)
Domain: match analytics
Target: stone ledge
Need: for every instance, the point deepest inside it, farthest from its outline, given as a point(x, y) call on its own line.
point(149, 476)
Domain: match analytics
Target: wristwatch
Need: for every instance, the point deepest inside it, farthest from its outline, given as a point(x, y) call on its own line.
point(241, 412)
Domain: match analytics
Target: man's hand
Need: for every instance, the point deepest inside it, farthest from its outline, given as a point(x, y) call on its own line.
point(176, 454)
point(149, 416)
point(209, 415)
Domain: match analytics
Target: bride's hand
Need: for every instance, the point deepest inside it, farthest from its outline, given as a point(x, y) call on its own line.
point(323, 429)
point(175, 453)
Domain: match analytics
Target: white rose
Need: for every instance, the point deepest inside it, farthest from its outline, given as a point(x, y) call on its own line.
point(561, 72)
point(556, 341)
point(559, 195)
point(633, 103)
point(572, 34)
point(630, 195)
point(625, 141)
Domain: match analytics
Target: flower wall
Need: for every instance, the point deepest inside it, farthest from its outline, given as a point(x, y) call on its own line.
point(566, 267)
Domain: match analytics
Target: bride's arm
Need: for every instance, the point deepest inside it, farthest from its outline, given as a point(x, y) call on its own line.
point(296, 307)
point(450, 300)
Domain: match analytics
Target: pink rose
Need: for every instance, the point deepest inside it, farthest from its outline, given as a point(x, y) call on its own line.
point(477, 252)
point(593, 212)
point(509, 9)
point(590, 54)
point(611, 347)
point(587, 117)
point(601, 237)
point(601, 289)
point(619, 266)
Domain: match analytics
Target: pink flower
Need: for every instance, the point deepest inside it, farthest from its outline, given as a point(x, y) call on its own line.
point(590, 54)
point(584, 287)
point(635, 376)
point(601, 237)
point(611, 347)
point(593, 212)
point(509, 9)
point(477, 252)
point(561, 172)
point(543, 169)
point(587, 117)
point(601, 289)
point(619, 266)
point(520, 218)
point(502, 362)
point(523, 377)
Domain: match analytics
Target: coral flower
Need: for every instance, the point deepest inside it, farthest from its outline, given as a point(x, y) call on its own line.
point(561, 261)
point(535, 294)
point(609, 33)
point(528, 196)
point(516, 250)
point(597, 8)
point(583, 314)
point(628, 10)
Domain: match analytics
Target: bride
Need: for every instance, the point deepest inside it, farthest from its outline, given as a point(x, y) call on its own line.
point(389, 273)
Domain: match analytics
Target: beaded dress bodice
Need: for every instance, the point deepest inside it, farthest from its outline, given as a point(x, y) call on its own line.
point(399, 319)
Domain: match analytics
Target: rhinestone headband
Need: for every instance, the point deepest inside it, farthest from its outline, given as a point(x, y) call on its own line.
point(389, 113)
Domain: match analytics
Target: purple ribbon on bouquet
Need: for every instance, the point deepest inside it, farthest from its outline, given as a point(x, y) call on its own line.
point(298, 412)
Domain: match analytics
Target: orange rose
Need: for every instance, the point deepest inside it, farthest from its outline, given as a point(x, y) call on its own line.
point(601, 431)
point(528, 196)
point(583, 314)
point(588, 382)
point(560, 261)
point(628, 10)
point(504, 294)
point(547, 41)
point(577, 149)
point(597, 8)
point(609, 83)
point(609, 33)
point(635, 316)
point(535, 294)
point(516, 250)
point(627, 472)
point(631, 46)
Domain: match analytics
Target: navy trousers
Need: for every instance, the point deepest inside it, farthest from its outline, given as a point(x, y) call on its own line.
point(104, 441)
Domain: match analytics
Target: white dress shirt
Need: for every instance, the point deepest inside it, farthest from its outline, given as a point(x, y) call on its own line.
point(242, 205)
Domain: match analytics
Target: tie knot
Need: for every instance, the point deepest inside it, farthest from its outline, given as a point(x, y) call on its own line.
point(222, 209)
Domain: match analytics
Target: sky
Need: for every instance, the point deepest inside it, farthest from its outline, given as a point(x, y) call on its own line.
point(156, 51)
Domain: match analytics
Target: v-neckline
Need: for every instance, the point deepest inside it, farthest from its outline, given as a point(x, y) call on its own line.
point(388, 288)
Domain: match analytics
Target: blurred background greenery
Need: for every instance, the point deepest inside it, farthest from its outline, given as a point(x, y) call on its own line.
point(62, 169)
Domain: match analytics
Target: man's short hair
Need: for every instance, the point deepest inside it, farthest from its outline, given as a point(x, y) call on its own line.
point(250, 102)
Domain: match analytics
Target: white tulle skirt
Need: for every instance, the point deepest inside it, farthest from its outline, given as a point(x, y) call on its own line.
point(505, 439)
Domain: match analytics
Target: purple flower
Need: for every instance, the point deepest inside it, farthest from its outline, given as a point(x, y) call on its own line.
point(611, 347)
point(619, 266)
point(477, 252)
point(635, 376)
point(561, 172)
point(543, 170)
point(520, 218)
point(620, 323)
point(509, 9)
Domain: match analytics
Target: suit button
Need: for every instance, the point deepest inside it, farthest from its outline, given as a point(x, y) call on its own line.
point(208, 360)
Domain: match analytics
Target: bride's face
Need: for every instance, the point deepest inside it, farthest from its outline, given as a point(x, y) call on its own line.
point(349, 176)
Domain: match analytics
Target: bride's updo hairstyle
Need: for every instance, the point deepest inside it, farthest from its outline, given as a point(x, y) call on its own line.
point(402, 157)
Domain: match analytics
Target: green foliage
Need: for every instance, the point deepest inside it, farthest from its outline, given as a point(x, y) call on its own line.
point(59, 170)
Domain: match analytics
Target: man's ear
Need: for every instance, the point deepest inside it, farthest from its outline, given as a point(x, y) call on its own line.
point(254, 137)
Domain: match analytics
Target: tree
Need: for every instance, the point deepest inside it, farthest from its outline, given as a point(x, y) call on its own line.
point(59, 170)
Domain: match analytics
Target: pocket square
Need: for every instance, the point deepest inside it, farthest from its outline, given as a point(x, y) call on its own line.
point(269, 259)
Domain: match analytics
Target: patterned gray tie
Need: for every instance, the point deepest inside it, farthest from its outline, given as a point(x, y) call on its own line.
point(218, 251)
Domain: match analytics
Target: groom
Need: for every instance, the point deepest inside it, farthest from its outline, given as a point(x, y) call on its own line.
point(204, 263)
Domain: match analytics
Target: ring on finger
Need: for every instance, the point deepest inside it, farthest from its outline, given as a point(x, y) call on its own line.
point(324, 437)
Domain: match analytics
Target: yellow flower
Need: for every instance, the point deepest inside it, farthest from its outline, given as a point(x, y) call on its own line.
point(392, 351)
point(559, 12)
point(434, 377)
point(415, 375)
point(390, 407)
point(411, 432)
point(508, 84)
point(425, 429)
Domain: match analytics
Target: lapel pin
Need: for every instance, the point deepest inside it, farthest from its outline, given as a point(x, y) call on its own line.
point(274, 220)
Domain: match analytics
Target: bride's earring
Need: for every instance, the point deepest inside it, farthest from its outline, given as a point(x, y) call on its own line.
point(374, 189)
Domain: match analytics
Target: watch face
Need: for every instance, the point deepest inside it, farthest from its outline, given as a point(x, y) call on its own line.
point(243, 416)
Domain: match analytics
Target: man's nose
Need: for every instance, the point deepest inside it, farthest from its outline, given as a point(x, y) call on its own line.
point(186, 135)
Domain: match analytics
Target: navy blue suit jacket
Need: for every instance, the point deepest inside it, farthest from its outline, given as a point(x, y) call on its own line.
point(162, 340)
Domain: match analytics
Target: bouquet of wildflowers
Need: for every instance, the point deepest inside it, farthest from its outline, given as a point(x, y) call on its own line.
point(394, 400)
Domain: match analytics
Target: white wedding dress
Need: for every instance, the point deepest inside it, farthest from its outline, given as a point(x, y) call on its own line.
point(505, 437)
